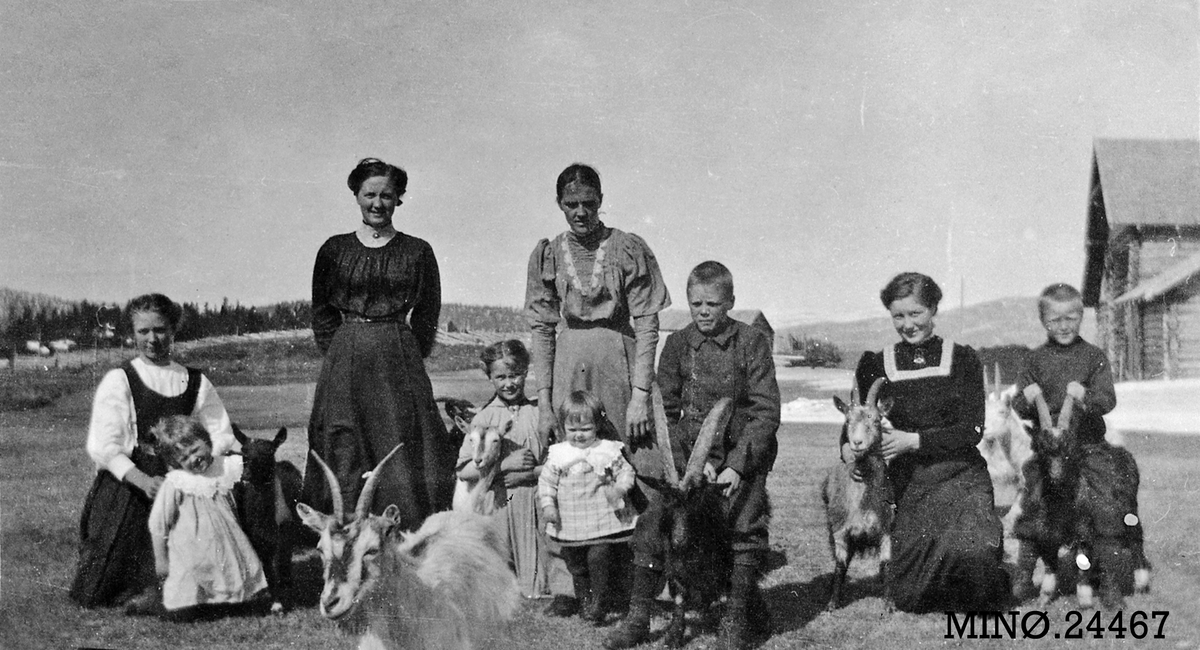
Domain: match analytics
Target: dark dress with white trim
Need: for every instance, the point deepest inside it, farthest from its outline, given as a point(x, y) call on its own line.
point(947, 542)
point(116, 559)
point(375, 315)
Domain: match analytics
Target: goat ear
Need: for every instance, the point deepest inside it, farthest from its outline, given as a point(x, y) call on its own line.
point(237, 433)
point(280, 437)
point(462, 424)
point(313, 519)
point(841, 406)
point(885, 405)
point(392, 513)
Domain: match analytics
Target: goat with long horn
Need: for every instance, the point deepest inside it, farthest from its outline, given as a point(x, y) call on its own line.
point(1084, 498)
point(698, 549)
point(1048, 511)
point(446, 585)
point(858, 495)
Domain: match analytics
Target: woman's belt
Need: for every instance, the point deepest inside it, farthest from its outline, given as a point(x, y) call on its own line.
point(350, 317)
point(607, 324)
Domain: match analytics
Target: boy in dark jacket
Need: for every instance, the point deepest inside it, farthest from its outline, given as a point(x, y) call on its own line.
point(715, 357)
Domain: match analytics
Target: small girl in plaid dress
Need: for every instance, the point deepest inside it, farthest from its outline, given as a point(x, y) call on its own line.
point(582, 492)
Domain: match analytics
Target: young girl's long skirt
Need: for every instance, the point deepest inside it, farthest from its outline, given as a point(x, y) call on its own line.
point(373, 394)
point(116, 560)
point(530, 560)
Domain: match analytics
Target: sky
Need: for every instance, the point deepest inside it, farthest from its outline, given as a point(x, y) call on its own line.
point(200, 148)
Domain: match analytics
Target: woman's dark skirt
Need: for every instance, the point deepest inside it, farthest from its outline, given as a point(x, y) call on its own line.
point(116, 559)
point(373, 394)
point(947, 542)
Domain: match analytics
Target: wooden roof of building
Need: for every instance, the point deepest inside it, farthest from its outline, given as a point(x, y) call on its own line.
point(1137, 183)
point(1160, 284)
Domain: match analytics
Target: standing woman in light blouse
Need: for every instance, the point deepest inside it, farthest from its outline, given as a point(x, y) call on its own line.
point(376, 297)
point(601, 290)
point(116, 559)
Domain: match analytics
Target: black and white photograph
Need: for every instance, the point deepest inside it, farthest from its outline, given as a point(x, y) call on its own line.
point(539, 325)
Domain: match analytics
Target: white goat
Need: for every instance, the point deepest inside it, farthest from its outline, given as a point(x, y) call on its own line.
point(486, 443)
point(445, 586)
point(1006, 442)
point(858, 496)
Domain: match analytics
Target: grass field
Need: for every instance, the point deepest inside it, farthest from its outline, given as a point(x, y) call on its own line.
point(44, 475)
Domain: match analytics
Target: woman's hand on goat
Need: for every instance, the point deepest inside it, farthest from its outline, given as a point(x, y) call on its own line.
point(637, 415)
point(896, 442)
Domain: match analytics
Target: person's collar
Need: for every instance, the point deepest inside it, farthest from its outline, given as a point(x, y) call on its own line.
point(1055, 345)
point(593, 238)
point(696, 338)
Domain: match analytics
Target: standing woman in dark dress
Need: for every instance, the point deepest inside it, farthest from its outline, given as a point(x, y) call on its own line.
point(592, 297)
point(947, 540)
point(116, 559)
point(376, 296)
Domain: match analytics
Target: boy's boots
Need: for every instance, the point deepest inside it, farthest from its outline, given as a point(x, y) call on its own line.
point(635, 627)
point(746, 617)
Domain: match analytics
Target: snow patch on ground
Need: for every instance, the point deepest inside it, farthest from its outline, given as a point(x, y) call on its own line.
point(1142, 406)
point(1157, 407)
point(803, 409)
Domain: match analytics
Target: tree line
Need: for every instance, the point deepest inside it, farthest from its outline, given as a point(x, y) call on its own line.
point(34, 317)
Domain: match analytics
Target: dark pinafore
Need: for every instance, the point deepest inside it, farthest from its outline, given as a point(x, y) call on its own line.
point(116, 560)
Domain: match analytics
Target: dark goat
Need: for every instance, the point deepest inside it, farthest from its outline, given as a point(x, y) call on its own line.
point(458, 409)
point(698, 558)
point(1082, 497)
point(267, 509)
point(858, 496)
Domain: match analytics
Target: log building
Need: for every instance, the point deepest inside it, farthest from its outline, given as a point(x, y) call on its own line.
point(1142, 272)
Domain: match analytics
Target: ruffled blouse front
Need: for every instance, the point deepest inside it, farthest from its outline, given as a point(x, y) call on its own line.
point(563, 281)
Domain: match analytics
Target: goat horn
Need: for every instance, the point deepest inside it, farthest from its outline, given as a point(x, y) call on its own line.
point(663, 435)
point(997, 380)
point(368, 491)
point(873, 392)
point(1043, 410)
point(1064, 416)
point(712, 428)
point(334, 489)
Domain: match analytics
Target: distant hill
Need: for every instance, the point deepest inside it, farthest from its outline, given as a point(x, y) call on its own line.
point(1006, 321)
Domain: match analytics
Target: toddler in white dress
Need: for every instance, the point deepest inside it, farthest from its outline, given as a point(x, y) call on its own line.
point(200, 551)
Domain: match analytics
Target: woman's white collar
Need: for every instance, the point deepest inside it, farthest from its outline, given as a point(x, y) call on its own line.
point(894, 374)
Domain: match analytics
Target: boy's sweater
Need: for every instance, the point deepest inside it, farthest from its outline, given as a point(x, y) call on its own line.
point(1052, 367)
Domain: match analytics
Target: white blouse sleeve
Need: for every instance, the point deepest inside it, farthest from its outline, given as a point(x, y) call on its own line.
point(111, 429)
point(211, 411)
